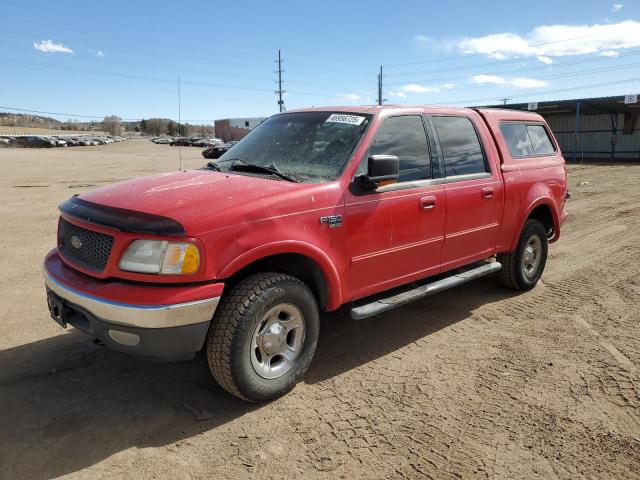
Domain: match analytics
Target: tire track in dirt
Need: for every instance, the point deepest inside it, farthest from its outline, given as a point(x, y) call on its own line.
point(505, 382)
point(476, 382)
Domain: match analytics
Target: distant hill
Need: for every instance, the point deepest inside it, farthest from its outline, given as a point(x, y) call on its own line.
point(26, 120)
point(151, 126)
point(37, 122)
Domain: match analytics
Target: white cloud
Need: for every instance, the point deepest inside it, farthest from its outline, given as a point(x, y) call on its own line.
point(351, 96)
point(518, 82)
point(523, 82)
point(609, 53)
point(424, 39)
point(548, 41)
point(48, 46)
point(545, 60)
point(100, 54)
point(413, 88)
point(396, 94)
point(492, 79)
point(616, 7)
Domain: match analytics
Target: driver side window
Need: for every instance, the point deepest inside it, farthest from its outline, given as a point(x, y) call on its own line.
point(404, 137)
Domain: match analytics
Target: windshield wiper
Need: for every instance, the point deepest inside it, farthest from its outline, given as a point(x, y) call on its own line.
point(263, 168)
point(214, 166)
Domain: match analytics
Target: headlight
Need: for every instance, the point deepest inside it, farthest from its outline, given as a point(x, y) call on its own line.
point(161, 257)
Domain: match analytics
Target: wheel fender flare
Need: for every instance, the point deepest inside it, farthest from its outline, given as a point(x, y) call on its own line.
point(546, 201)
point(327, 266)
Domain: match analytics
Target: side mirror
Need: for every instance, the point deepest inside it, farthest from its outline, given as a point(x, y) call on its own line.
point(382, 170)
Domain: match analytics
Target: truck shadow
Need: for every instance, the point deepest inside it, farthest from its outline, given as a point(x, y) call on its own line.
point(66, 404)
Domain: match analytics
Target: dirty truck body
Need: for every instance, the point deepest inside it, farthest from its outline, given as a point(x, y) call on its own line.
point(313, 210)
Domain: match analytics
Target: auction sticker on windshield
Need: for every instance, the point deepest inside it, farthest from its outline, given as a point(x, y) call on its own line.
point(342, 118)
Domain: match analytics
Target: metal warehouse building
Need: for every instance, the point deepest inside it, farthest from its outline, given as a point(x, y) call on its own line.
point(603, 128)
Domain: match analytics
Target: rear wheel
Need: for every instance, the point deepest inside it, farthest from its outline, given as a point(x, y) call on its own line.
point(263, 336)
point(523, 267)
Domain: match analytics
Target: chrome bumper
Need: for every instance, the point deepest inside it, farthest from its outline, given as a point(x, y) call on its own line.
point(142, 316)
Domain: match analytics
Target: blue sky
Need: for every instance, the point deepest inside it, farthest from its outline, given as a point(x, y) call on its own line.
point(124, 58)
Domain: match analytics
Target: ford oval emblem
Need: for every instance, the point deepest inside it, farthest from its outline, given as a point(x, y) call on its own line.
point(76, 242)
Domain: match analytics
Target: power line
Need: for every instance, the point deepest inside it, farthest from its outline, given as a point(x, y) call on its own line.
point(65, 114)
point(471, 55)
point(471, 85)
point(153, 64)
point(163, 80)
point(87, 38)
point(545, 92)
point(545, 67)
point(503, 62)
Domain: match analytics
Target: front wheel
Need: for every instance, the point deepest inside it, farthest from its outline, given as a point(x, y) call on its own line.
point(263, 336)
point(522, 268)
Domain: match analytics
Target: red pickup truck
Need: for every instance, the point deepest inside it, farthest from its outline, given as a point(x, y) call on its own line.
point(372, 207)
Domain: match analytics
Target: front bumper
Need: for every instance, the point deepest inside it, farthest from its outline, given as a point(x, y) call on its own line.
point(161, 328)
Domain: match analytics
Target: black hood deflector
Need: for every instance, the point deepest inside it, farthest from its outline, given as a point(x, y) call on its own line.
point(121, 218)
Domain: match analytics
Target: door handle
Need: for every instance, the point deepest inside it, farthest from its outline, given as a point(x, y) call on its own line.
point(487, 193)
point(428, 203)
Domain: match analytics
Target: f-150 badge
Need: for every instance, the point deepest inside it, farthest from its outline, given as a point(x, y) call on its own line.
point(332, 220)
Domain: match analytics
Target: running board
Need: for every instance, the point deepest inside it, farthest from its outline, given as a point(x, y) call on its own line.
point(385, 304)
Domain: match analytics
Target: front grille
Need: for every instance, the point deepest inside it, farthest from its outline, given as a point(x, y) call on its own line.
point(87, 248)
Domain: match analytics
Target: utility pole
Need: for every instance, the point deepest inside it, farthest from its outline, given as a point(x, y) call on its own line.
point(280, 91)
point(505, 100)
point(380, 86)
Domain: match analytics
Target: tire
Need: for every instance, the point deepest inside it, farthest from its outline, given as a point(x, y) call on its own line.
point(520, 270)
point(237, 351)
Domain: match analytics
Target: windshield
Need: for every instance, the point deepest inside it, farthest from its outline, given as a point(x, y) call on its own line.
point(309, 146)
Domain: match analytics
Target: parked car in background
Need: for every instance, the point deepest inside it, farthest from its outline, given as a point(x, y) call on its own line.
point(48, 141)
point(218, 150)
point(33, 141)
point(179, 141)
point(207, 142)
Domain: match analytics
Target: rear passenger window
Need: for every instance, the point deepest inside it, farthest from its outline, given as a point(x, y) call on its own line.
point(460, 145)
point(404, 137)
point(540, 140)
point(524, 140)
point(517, 139)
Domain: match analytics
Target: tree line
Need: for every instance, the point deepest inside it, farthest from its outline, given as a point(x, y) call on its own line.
point(164, 126)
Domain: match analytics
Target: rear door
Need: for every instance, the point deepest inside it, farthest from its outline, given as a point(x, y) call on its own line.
point(396, 233)
point(473, 188)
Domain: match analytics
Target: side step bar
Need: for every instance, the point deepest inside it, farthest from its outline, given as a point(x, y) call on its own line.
point(385, 304)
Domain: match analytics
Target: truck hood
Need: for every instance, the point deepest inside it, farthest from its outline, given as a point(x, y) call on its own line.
point(203, 200)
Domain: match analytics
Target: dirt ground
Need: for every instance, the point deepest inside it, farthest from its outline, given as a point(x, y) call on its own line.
point(477, 382)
